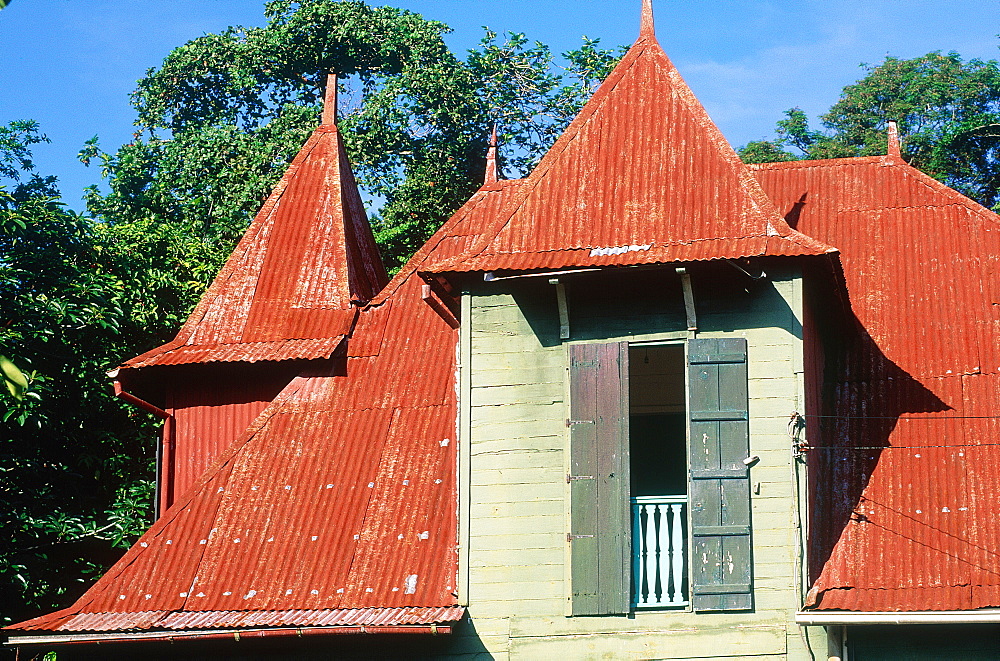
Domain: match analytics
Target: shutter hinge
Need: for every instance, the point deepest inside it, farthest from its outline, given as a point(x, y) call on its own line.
point(571, 478)
point(570, 423)
point(570, 537)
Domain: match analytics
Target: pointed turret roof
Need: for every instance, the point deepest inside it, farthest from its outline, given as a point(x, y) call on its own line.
point(642, 175)
point(287, 290)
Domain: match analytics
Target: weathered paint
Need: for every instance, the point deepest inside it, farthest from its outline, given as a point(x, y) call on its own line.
point(339, 493)
point(339, 496)
point(307, 255)
point(640, 176)
point(519, 578)
point(906, 461)
point(210, 407)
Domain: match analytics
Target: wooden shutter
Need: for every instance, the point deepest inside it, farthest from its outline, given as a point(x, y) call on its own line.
point(600, 531)
point(721, 558)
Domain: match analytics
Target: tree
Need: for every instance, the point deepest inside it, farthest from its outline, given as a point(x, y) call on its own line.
point(217, 124)
point(949, 120)
point(74, 462)
point(224, 114)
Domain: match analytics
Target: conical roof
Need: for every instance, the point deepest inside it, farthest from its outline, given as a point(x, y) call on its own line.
point(286, 292)
point(642, 175)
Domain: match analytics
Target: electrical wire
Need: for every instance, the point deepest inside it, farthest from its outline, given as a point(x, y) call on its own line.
point(896, 417)
point(898, 447)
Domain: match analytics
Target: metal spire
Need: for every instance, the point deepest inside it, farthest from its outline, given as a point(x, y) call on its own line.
point(330, 101)
point(491, 159)
point(893, 148)
point(647, 28)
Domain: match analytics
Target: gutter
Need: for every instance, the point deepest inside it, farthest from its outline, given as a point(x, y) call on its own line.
point(984, 616)
point(221, 634)
point(164, 450)
point(133, 400)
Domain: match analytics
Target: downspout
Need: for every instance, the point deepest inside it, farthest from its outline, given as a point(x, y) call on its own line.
point(164, 454)
point(835, 642)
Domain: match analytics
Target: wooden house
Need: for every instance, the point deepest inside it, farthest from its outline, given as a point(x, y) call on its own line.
point(646, 403)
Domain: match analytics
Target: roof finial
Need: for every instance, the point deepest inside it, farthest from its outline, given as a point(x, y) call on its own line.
point(491, 159)
point(646, 28)
point(330, 101)
point(894, 149)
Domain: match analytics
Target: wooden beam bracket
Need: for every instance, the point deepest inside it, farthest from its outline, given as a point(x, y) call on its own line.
point(439, 307)
point(563, 303)
point(689, 309)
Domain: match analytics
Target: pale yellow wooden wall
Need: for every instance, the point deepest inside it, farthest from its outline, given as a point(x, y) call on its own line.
point(514, 496)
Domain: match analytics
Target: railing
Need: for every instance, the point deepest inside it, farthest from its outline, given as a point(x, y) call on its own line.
point(659, 559)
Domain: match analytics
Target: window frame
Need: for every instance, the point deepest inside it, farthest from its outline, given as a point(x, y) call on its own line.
point(714, 593)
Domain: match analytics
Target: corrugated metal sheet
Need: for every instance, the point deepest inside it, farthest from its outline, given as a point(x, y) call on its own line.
point(906, 502)
point(250, 352)
point(342, 496)
point(243, 619)
point(338, 502)
point(642, 175)
point(209, 413)
point(308, 254)
point(336, 507)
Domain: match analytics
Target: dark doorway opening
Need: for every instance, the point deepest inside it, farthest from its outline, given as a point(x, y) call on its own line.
point(657, 420)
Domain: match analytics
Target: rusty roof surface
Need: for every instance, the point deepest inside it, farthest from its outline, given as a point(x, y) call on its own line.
point(178, 353)
point(189, 620)
point(287, 289)
point(906, 511)
point(641, 176)
point(336, 507)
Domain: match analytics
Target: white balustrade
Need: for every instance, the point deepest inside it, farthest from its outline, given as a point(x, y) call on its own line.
point(659, 559)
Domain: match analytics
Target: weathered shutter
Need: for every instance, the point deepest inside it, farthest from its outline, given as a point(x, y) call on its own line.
point(600, 530)
point(721, 558)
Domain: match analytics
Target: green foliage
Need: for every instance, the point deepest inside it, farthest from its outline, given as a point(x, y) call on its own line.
point(764, 151)
point(14, 378)
point(217, 124)
point(74, 462)
point(949, 120)
point(521, 89)
point(221, 118)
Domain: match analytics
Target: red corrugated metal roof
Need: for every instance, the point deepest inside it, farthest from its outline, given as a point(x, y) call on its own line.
point(339, 502)
point(914, 526)
point(336, 507)
point(244, 619)
point(641, 176)
point(340, 496)
point(177, 353)
point(286, 291)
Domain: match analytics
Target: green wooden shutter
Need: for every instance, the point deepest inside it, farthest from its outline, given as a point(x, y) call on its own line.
point(721, 561)
point(600, 531)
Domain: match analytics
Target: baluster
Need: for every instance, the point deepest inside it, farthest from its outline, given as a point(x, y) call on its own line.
point(663, 558)
point(677, 559)
point(650, 555)
point(659, 561)
point(637, 567)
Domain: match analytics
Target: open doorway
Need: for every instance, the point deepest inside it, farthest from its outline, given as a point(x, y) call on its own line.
point(658, 475)
point(657, 420)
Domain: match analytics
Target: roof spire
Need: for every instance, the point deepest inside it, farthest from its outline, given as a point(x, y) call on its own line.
point(893, 148)
point(491, 159)
point(647, 28)
point(330, 101)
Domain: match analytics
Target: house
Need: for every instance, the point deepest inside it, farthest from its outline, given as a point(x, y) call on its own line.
point(647, 402)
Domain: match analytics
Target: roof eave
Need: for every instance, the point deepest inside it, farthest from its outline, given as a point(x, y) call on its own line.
point(818, 617)
point(236, 635)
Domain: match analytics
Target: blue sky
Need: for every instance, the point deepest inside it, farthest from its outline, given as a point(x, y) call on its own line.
point(70, 64)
